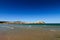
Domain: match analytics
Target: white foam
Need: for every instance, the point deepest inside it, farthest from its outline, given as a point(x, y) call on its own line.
point(11, 27)
point(52, 30)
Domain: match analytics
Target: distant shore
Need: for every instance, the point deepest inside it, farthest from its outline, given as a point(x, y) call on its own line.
point(19, 22)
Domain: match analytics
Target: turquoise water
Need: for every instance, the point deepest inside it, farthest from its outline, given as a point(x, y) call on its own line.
point(44, 26)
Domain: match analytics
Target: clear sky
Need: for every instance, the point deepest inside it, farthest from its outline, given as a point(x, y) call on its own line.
point(30, 10)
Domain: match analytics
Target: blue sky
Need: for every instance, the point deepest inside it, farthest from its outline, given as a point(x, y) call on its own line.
point(30, 10)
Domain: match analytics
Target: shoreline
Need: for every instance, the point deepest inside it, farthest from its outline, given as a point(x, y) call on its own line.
point(29, 34)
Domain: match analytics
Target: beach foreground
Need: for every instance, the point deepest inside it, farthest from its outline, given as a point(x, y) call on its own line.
point(29, 34)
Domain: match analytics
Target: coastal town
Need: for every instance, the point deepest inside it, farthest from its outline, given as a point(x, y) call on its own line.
point(20, 22)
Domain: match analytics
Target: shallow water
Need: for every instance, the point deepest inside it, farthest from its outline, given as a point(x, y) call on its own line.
point(43, 26)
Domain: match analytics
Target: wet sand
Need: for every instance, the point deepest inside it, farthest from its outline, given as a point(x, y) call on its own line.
point(29, 34)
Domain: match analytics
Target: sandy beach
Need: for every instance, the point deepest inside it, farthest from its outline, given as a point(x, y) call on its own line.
point(29, 34)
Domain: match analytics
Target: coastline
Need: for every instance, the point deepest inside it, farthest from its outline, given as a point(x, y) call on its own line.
point(29, 33)
point(19, 22)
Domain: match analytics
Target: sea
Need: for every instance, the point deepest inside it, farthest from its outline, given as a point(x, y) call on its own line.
point(5, 27)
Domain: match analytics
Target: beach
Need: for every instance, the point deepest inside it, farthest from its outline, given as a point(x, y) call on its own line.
point(24, 33)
